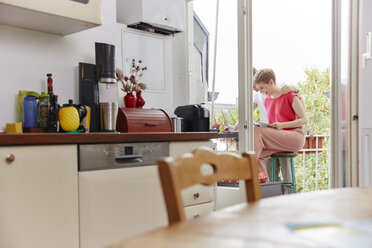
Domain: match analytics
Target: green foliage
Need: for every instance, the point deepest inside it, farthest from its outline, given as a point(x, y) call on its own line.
point(234, 116)
point(316, 102)
point(310, 174)
point(318, 115)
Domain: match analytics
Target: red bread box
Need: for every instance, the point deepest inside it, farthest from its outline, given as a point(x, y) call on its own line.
point(137, 120)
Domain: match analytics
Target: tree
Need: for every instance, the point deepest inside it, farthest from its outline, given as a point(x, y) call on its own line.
point(313, 91)
point(317, 110)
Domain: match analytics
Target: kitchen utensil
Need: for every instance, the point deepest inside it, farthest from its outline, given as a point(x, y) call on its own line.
point(109, 113)
point(70, 116)
point(177, 124)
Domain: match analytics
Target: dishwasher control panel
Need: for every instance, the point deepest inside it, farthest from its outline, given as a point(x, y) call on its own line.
point(121, 155)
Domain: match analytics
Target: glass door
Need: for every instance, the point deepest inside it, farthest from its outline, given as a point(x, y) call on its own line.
point(215, 69)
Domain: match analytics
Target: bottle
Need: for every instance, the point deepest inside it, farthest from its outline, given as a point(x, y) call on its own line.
point(53, 124)
point(21, 95)
point(29, 112)
point(50, 84)
point(44, 108)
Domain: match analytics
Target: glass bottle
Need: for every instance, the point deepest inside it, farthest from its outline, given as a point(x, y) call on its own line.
point(50, 84)
point(44, 108)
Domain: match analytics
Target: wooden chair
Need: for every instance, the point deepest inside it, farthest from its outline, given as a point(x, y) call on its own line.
point(176, 175)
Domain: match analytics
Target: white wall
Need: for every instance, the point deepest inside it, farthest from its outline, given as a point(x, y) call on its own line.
point(27, 56)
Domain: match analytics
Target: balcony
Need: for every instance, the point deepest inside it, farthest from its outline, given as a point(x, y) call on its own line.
point(311, 164)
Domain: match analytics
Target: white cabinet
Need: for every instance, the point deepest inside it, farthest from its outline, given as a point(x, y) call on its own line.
point(119, 203)
point(39, 196)
point(198, 199)
point(168, 14)
point(51, 16)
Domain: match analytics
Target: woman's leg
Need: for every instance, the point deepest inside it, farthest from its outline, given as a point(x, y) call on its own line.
point(268, 141)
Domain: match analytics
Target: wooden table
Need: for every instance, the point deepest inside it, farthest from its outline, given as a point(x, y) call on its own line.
point(265, 223)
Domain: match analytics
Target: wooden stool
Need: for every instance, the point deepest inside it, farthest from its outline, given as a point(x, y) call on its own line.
point(290, 155)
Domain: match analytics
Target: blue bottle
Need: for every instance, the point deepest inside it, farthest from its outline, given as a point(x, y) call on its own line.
point(29, 112)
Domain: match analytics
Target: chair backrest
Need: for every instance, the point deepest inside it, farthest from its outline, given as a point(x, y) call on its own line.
point(176, 175)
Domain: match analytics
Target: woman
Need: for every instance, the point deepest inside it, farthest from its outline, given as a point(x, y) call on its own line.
point(286, 116)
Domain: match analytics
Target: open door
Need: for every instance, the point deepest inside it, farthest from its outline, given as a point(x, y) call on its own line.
point(365, 89)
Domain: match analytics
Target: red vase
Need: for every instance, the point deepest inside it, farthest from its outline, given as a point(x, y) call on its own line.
point(129, 100)
point(140, 101)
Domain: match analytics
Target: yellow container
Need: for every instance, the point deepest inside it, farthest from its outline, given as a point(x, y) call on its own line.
point(69, 119)
point(14, 127)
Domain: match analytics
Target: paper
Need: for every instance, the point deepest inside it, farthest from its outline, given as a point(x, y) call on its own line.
point(260, 124)
point(343, 234)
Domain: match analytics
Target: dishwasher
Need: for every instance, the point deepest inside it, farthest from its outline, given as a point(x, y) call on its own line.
point(120, 193)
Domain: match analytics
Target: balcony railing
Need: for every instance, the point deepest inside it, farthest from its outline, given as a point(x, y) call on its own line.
point(311, 164)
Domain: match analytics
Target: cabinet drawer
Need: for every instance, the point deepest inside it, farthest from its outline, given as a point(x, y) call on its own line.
point(197, 194)
point(198, 210)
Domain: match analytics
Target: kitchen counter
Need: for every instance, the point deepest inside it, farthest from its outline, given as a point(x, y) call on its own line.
point(86, 138)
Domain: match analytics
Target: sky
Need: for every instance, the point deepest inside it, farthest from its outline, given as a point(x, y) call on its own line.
point(287, 36)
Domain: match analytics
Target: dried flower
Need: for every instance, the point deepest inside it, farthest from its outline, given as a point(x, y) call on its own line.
point(132, 83)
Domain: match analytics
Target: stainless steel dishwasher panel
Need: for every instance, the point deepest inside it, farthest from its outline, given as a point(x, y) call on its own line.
point(121, 155)
point(120, 193)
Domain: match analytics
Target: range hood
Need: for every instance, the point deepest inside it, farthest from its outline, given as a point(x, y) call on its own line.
point(153, 28)
point(165, 17)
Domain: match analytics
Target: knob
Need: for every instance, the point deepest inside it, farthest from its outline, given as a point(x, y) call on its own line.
point(165, 19)
point(10, 158)
point(196, 216)
point(196, 195)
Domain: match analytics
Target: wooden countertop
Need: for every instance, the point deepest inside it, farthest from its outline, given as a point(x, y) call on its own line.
point(86, 138)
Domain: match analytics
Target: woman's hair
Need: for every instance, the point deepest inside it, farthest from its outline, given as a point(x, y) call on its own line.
point(264, 75)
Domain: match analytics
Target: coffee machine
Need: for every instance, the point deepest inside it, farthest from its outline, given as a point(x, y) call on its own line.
point(195, 118)
point(97, 82)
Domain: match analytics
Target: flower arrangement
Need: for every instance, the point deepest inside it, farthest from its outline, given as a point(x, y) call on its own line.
point(132, 83)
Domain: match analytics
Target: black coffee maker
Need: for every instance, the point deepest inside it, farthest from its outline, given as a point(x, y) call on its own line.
point(195, 118)
point(91, 75)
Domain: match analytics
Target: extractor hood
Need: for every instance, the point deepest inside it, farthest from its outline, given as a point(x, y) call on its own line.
point(164, 17)
point(158, 29)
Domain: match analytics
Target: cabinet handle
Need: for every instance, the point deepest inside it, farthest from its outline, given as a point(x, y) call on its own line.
point(196, 195)
point(165, 19)
point(10, 158)
point(196, 216)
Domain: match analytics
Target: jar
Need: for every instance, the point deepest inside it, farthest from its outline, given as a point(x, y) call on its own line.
point(44, 108)
point(29, 112)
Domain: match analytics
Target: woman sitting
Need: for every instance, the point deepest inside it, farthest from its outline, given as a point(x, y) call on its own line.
point(286, 115)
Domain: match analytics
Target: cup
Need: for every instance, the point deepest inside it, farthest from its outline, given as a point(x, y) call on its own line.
point(109, 113)
point(177, 124)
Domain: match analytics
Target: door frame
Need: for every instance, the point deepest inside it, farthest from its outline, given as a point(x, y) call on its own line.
point(347, 175)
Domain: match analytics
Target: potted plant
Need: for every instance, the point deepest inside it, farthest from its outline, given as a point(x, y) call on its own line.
point(132, 83)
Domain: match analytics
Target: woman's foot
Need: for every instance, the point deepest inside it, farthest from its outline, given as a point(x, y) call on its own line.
point(262, 177)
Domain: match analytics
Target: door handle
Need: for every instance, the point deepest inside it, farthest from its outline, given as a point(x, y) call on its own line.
point(129, 159)
point(367, 55)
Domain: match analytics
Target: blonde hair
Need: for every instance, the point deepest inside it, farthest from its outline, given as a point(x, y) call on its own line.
point(264, 75)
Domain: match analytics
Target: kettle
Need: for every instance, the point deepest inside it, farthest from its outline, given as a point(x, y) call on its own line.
point(70, 115)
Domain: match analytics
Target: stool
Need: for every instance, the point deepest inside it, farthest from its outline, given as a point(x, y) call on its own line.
point(290, 155)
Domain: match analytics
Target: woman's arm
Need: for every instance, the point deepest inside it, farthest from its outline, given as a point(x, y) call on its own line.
point(299, 109)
